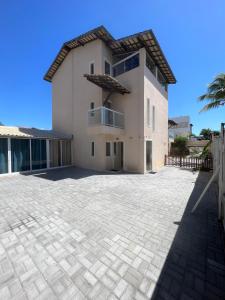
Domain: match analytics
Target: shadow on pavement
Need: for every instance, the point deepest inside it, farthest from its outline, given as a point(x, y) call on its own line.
point(195, 265)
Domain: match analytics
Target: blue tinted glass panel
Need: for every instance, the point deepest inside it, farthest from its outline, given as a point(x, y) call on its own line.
point(3, 156)
point(132, 63)
point(38, 149)
point(20, 152)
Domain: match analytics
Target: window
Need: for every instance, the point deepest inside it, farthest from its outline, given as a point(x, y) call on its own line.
point(92, 105)
point(150, 64)
point(114, 147)
point(66, 153)
point(153, 118)
point(92, 148)
point(126, 65)
point(20, 155)
point(92, 68)
point(55, 153)
point(108, 149)
point(148, 112)
point(3, 156)
point(162, 80)
point(107, 68)
point(38, 154)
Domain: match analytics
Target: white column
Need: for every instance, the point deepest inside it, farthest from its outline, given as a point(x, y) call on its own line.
point(9, 156)
point(30, 154)
point(47, 154)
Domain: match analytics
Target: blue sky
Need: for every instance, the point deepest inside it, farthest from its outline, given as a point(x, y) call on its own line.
point(191, 34)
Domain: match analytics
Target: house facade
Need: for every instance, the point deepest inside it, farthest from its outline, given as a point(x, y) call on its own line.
point(112, 97)
point(182, 127)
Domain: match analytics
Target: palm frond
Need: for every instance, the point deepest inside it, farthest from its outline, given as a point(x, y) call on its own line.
point(211, 105)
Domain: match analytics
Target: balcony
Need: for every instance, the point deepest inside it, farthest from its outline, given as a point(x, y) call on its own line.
point(102, 120)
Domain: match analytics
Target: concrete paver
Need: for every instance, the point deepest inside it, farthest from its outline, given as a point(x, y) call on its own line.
point(78, 234)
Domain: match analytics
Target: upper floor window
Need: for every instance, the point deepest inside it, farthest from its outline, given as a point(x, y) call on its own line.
point(161, 80)
point(92, 68)
point(148, 112)
point(107, 68)
point(150, 64)
point(153, 118)
point(126, 65)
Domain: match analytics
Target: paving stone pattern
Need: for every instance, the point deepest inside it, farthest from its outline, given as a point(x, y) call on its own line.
point(78, 234)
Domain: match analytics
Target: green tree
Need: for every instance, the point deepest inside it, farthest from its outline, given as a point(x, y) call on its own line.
point(206, 132)
point(179, 146)
point(215, 93)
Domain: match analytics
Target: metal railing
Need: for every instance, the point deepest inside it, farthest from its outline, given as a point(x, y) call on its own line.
point(105, 116)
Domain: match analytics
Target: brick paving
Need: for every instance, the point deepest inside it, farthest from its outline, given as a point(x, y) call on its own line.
point(78, 234)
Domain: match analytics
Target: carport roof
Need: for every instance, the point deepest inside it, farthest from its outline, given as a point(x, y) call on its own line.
point(24, 132)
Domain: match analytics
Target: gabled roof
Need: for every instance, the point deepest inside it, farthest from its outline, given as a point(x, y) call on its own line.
point(24, 132)
point(107, 82)
point(124, 45)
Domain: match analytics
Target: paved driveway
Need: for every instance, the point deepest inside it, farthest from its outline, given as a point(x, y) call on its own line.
point(76, 234)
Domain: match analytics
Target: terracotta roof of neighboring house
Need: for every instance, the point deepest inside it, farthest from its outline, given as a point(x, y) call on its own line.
point(201, 143)
point(124, 45)
point(107, 82)
point(8, 131)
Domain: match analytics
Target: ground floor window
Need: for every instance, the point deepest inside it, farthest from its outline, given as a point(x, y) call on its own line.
point(108, 149)
point(20, 155)
point(3, 156)
point(92, 148)
point(66, 153)
point(55, 153)
point(38, 153)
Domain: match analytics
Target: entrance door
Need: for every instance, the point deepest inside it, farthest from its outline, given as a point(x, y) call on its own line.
point(148, 155)
point(118, 155)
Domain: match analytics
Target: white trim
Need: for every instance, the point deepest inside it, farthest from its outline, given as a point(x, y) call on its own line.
point(9, 156)
point(122, 60)
point(48, 154)
point(61, 155)
point(35, 171)
point(103, 107)
point(30, 154)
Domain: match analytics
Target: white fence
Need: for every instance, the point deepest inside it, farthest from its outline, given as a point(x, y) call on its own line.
point(218, 149)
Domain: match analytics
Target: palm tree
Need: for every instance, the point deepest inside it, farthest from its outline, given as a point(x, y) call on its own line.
point(215, 93)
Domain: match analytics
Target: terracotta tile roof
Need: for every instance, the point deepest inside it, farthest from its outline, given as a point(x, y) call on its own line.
point(145, 39)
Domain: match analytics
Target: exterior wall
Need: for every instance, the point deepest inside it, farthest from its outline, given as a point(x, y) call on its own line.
point(72, 95)
point(132, 107)
point(158, 97)
point(183, 127)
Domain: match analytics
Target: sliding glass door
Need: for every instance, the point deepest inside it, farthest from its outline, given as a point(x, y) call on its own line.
point(55, 153)
point(20, 155)
point(3, 156)
point(39, 157)
point(66, 153)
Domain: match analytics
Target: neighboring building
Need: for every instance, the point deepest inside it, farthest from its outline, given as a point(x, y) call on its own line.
point(112, 96)
point(182, 127)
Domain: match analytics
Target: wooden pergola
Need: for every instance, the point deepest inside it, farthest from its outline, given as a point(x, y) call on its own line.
point(107, 82)
point(119, 47)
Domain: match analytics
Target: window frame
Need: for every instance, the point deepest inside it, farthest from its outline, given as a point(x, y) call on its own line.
point(92, 63)
point(153, 117)
point(108, 154)
point(110, 67)
point(148, 113)
point(92, 149)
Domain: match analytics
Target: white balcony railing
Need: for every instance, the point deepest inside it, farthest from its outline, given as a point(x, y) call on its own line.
point(106, 117)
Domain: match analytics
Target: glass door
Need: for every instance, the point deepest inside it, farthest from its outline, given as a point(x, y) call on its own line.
point(148, 155)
